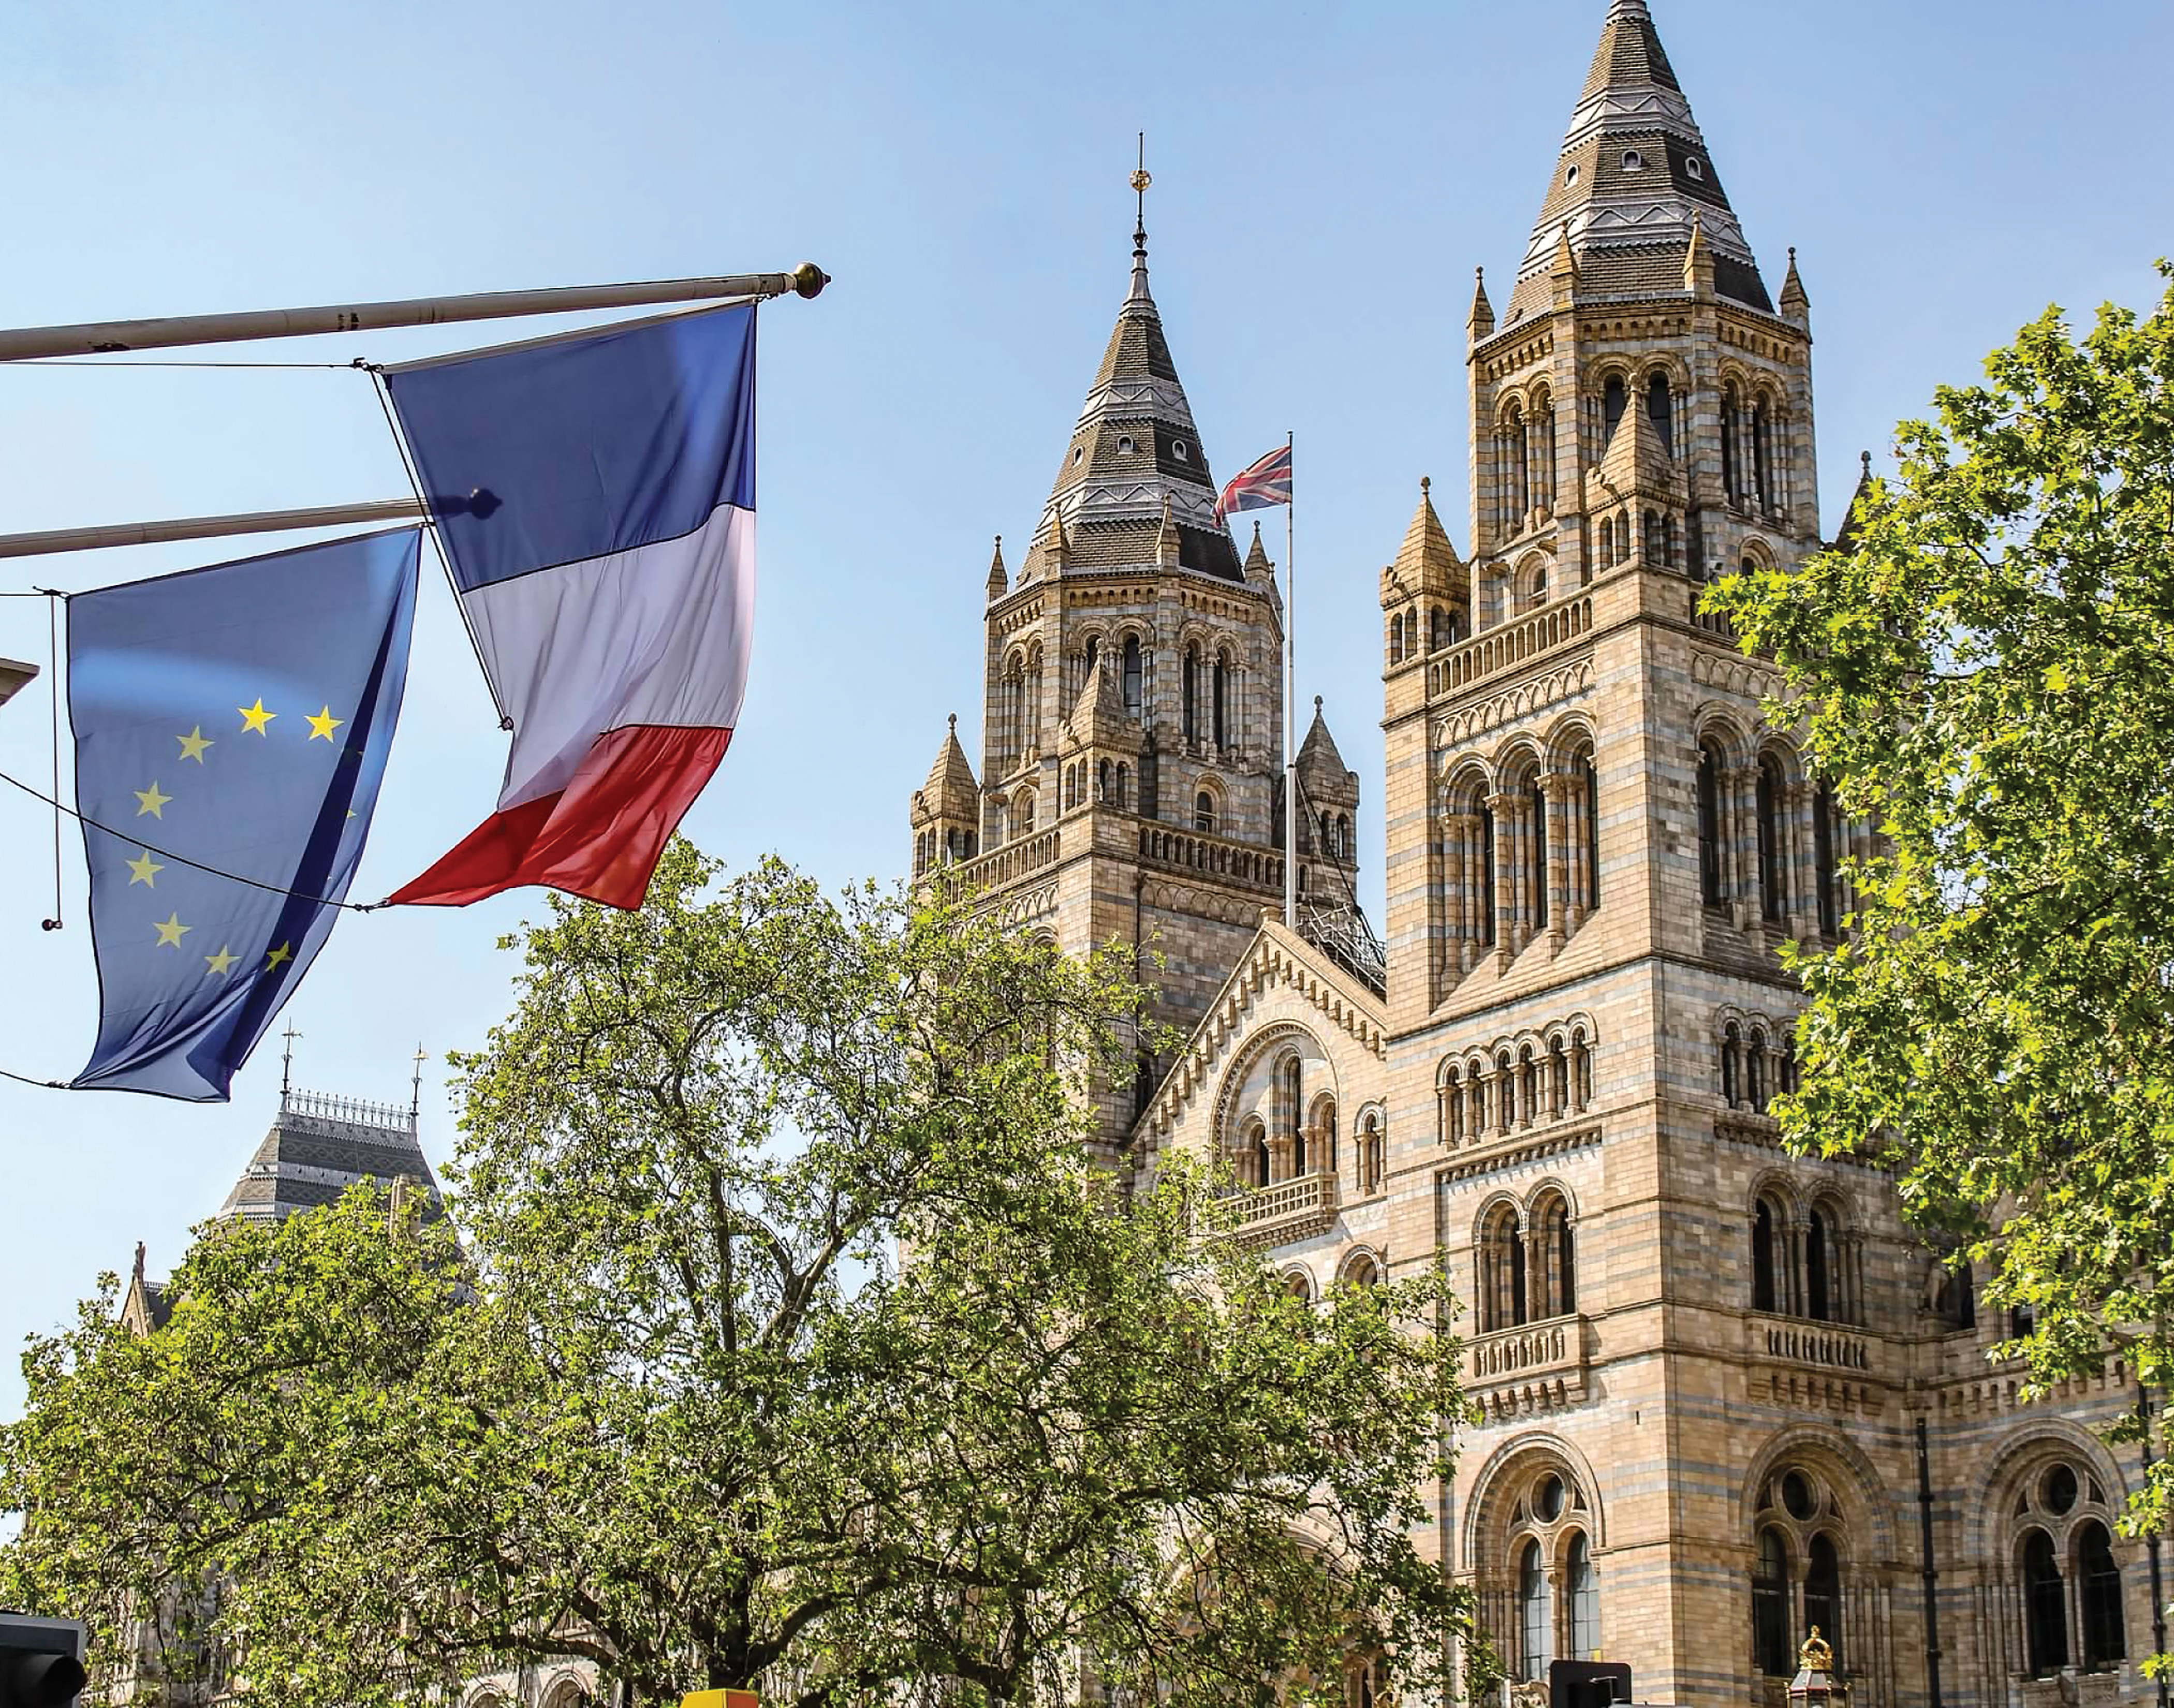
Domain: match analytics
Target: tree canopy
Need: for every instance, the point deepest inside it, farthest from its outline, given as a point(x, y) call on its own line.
point(660, 1390)
point(1985, 673)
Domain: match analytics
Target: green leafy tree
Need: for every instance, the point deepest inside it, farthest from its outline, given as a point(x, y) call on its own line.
point(672, 1401)
point(1986, 673)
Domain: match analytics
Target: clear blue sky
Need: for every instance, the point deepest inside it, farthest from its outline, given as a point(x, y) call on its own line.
point(1326, 179)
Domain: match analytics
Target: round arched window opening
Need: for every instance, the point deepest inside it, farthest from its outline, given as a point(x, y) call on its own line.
point(1796, 1496)
point(2059, 1492)
point(1633, 161)
point(1547, 1499)
point(1696, 168)
point(1177, 446)
point(1570, 174)
point(1125, 443)
point(1078, 451)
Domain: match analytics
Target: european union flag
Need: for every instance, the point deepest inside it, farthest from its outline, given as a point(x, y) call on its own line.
point(236, 718)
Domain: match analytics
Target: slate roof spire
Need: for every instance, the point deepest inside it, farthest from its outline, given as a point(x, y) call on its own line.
point(319, 1146)
point(1633, 171)
point(1133, 449)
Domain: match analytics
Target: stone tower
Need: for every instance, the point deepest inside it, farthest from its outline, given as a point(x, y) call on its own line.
point(1703, 1368)
point(1132, 756)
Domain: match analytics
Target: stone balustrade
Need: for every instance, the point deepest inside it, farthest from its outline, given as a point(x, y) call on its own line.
point(1507, 644)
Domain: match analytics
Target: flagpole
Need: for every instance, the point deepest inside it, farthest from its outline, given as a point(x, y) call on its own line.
point(198, 527)
point(1290, 693)
point(100, 337)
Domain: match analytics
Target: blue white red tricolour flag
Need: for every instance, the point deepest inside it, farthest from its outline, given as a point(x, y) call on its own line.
point(1258, 486)
point(602, 541)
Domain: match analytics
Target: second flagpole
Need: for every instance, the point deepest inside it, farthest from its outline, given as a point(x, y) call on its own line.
point(1290, 691)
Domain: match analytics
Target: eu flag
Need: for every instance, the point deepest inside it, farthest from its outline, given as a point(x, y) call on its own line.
point(231, 727)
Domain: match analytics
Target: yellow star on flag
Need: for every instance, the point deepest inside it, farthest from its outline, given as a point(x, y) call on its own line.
point(324, 723)
point(193, 744)
point(140, 870)
point(150, 800)
point(221, 962)
point(273, 957)
point(170, 931)
point(255, 717)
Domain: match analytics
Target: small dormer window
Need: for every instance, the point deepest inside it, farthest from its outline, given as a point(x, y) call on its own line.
point(1178, 447)
point(1695, 167)
point(1570, 174)
point(1633, 161)
point(1078, 451)
point(1125, 442)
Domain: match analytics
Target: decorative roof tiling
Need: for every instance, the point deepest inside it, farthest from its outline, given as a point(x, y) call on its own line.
point(1134, 450)
point(1633, 171)
point(951, 786)
point(318, 1146)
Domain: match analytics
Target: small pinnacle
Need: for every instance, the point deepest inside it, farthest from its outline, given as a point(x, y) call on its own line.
point(1864, 458)
point(1000, 542)
point(1316, 702)
point(1793, 252)
point(1479, 275)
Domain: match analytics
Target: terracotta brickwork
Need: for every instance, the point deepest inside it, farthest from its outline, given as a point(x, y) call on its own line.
point(1699, 1364)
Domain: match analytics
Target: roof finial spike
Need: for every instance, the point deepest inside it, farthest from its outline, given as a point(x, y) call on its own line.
point(1864, 462)
point(955, 723)
point(286, 1061)
point(1316, 705)
point(1140, 182)
point(1426, 486)
point(416, 1102)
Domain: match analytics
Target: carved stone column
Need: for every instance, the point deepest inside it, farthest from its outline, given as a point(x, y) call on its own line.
point(1508, 938)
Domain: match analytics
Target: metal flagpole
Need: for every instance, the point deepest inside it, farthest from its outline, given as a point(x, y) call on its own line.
point(1290, 693)
point(198, 527)
point(101, 337)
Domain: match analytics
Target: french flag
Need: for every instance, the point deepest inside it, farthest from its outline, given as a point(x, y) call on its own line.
point(597, 512)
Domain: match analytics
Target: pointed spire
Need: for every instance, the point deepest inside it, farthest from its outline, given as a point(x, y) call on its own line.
point(1795, 304)
point(1256, 557)
point(1057, 548)
point(1635, 460)
point(1140, 182)
point(1481, 320)
point(1099, 718)
point(998, 581)
point(1698, 261)
point(1633, 170)
point(1426, 561)
point(1860, 506)
point(1562, 269)
point(950, 791)
point(1134, 446)
point(1167, 542)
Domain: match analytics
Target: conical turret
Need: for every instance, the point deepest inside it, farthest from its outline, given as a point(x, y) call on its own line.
point(999, 582)
point(1633, 172)
point(1480, 323)
point(1795, 304)
point(947, 809)
point(1135, 453)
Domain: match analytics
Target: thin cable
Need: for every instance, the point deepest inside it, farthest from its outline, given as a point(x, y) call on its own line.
point(53, 686)
point(183, 859)
point(437, 545)
point(42, 1085)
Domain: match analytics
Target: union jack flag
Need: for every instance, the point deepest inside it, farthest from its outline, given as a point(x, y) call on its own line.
point(1259, 485)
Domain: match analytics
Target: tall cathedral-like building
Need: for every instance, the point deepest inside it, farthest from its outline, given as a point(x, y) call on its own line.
point(1707, 1374)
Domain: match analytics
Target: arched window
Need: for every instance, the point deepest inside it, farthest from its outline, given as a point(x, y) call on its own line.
point(1124, 786)
point(1133, 675)
point(1536, 587)
point(2106, 1642)
point(1260, 1159)
point(1094, 654)
point(1654, 551)
point(1764, 1294)
point(1732, 1044)
point(2045, 1606)
point(1818, 1238)
point(1754, 1069)
point(1520, 1283)
point(1773, 853)
point(1222, 701)
point(1372, 1161)
point(1558, 1286)
point(1709, 824)
point(1397, 639)
point(1961, 1298)
point(1535, 1617)
point(1823, 858)
point(1291, 1074)
point(1589, 776)
point(1731, 481)
point(1536, 847)
point(1657, 407)
point(1608, 544)
point(1770, 1607)
point(1189, 691)
point(1485, 840)
point(1762, 430)
point(1023, 812)
point(1102, 781)
point(1823, 1595)
point(1438, 629)
point(1204, 814)
point(1612, 397)
point(1344, 849)
point(1584, 1602)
